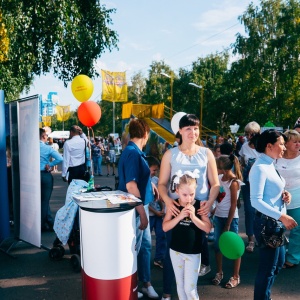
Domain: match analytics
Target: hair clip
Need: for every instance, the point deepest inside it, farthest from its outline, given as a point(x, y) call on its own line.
point(179, 174)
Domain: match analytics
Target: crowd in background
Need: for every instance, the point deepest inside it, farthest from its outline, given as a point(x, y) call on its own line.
point(262, 166)
point(231, 160)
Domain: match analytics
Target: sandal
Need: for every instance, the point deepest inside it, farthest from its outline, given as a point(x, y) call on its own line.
point(233, 282)
point(288, 265)
point(250, 247)
point(218, 278)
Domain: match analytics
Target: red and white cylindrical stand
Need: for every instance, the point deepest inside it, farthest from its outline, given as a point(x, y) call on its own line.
point(108, 255)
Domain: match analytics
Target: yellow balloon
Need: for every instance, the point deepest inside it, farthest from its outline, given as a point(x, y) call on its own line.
point(82, 87)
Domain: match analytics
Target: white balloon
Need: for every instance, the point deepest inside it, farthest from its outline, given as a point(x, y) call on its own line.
point(175, 121)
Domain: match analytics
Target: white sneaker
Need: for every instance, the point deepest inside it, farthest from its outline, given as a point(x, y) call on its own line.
point(150, 292)
point(140, 295)
point(204, 270)
point(168, 298)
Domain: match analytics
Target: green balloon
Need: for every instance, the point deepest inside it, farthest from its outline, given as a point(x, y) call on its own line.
point(231, 245)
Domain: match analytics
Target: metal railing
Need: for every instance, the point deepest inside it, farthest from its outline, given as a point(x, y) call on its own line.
point(147, 113)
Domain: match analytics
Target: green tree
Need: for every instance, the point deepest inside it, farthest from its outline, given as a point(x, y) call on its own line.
point(209, 72)
point(137, 90)
point(267, 73)
point(4, 45)
point(65, 37)
point(158, 87)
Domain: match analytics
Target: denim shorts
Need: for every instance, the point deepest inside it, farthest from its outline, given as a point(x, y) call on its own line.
point(219, 224)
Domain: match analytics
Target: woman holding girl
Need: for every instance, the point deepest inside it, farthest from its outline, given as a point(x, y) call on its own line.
point(269, 199)
point(289, 168)
point(226, 217)
point(188, 228)
point(188, 156)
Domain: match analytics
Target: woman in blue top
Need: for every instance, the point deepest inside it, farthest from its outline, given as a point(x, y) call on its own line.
point(134, 178)
point(269, 198)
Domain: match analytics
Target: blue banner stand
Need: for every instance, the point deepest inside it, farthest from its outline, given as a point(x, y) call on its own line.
point(4, 207)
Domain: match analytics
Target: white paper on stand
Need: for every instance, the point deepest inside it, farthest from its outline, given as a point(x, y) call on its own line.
point(122, 198)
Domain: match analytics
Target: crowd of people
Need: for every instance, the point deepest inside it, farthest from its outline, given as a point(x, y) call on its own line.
point(193, 192)
point(199, 193)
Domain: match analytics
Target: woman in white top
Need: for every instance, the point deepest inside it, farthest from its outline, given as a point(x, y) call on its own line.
point(248, 155)
point(188, 156)
point(289, 168)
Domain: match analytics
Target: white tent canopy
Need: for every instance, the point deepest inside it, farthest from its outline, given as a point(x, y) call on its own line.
point(59, 134)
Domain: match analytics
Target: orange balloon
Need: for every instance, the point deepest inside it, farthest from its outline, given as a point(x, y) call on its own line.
point(89, 113)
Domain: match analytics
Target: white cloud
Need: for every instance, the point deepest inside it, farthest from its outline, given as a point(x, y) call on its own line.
point(140, 47)
point(226, 13)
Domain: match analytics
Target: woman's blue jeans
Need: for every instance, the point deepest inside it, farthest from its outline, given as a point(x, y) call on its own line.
point(143, 248)
point(249, 210)
point(161, 242)
point(270, 263)
point(97, 161)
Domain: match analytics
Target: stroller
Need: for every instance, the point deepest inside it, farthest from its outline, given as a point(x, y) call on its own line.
point(67, 227)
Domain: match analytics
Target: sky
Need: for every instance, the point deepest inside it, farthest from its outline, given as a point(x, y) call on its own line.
point(177, 32)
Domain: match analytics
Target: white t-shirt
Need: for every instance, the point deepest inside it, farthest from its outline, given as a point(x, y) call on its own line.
point(54, 146)
point(289, 169)
point(223, 202)
point(247, 152)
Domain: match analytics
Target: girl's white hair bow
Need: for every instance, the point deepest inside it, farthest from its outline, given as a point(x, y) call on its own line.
point(178, 174)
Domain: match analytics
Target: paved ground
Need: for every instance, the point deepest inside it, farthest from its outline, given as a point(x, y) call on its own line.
point(32, 275)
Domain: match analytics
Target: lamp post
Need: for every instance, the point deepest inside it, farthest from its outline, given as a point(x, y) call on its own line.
point(200, 87)
point(171, 87)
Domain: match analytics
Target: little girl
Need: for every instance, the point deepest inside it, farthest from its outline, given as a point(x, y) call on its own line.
point(187, 230)
point(226, 213)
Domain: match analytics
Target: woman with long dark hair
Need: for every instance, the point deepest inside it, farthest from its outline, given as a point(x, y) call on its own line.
point(269, 198)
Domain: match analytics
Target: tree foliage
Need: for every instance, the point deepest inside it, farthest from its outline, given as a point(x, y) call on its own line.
point(261, 83)
point(268, 62)
point(4, 45)
point(137, 89)
point(65, 36)
point(158, 86)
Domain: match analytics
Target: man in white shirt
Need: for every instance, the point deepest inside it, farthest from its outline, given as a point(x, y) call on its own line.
point(74, 156)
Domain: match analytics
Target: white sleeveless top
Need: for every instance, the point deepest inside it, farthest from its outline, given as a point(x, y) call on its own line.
point(289, 169)
point(183, 162)
point(223, 202)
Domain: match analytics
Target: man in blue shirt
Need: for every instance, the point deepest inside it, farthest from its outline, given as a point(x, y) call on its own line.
point(46, 152)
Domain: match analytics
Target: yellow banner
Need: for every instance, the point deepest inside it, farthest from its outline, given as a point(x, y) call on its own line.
point(63, 113)
point(158, 111)
point(126, 110)
point(46, 120)
point(114, 86)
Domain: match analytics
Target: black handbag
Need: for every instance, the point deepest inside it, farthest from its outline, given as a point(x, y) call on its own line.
point(272, 234)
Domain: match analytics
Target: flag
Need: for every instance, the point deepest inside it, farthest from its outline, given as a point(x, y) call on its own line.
point(114, 86)
point(46, 120)
point(62, 113)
